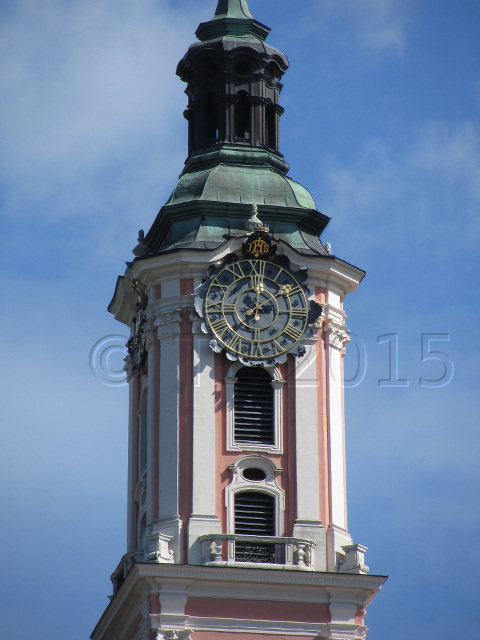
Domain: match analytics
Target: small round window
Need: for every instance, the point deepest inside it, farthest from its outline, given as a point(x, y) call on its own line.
point(254, 474)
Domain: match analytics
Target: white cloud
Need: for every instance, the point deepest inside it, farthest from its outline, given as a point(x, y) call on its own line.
point(377, 24)
point(89, 93)
point(426, 185)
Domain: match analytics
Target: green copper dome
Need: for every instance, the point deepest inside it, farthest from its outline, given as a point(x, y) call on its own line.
point(242, 184)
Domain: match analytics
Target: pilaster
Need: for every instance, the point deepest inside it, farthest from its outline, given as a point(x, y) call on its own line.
point(336, 336)
point(203, 519)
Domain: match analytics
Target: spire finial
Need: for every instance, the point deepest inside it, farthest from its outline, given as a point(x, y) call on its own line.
point(232, 9)
point(232, 18)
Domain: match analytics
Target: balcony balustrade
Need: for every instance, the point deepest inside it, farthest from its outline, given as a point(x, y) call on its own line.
point(274, 552)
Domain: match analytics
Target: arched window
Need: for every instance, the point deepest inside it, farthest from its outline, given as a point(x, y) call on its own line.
point(271, 127)
point(243, 116)
point(255, 507)
point(212, 117)
point(254, 409)
point(255, 503)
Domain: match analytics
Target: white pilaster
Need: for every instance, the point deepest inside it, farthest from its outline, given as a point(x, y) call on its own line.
point(336, 336)
point(152, 376)
point(203, 519)
point(307, 523)
point(308, 483)
point(131, 519)
point(168, 332)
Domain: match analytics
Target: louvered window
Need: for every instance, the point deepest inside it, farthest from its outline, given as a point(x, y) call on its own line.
point(254, 513)
point(255, 516)
point(253, 407)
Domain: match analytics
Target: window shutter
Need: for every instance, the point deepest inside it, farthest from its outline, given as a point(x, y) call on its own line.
point(253, 407)
point(254, 514)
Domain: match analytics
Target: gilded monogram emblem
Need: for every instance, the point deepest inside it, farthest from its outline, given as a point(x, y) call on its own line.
point(258, 245)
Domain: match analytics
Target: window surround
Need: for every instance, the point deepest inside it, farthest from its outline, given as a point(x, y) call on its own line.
point(277, 384)
point(268, 485)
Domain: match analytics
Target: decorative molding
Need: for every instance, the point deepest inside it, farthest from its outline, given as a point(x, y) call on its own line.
point(234, 626)
point(168, 324)
point(268, 485)
point(354, 559)
point(336, 335)
point(157, 548)
point(262, 576)
point(296, 553)
point(334, 327)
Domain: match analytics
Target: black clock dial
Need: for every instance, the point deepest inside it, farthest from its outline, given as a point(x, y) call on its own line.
point(256, 309)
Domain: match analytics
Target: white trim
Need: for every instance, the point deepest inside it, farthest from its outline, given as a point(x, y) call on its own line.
point(264, 627)
point(142, 417)
point(131, 467)
point(268, 485)
point(153, 376)
point(306, 429)
point(203, 519)
point(277, 384)
point(336, 426)
point(203, 462)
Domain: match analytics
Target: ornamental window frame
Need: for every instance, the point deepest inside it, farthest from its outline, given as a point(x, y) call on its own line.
point(277, 385)
point(268, 485)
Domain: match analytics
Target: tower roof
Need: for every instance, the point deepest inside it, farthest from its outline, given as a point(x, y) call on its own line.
point(232, 18)
point(233, 86)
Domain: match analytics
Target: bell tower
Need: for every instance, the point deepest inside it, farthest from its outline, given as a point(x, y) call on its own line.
point(237, 516)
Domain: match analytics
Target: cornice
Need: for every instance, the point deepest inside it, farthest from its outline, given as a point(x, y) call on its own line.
point(190, 573)
point(330, 272)
point(222, 582)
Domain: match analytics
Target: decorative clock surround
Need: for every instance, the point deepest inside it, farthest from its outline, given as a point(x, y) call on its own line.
point(257, 310)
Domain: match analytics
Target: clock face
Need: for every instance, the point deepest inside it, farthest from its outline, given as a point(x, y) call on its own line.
point(257, 311)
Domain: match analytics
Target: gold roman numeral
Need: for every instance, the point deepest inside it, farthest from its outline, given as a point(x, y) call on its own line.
point(258, 273)
point(228, 308)
point(236, 270)
point(213, 306)
point(292, 332)
point(299, 312)
point(235, 343)
point(277, 347)
point(256, 350)
point(219, 327)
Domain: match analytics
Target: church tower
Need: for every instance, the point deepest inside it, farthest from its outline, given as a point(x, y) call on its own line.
point(237, 519)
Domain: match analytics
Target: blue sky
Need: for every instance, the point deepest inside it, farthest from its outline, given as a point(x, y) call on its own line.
point(382, 125)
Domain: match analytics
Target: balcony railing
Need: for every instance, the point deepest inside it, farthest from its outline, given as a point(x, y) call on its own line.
point(274, 552)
